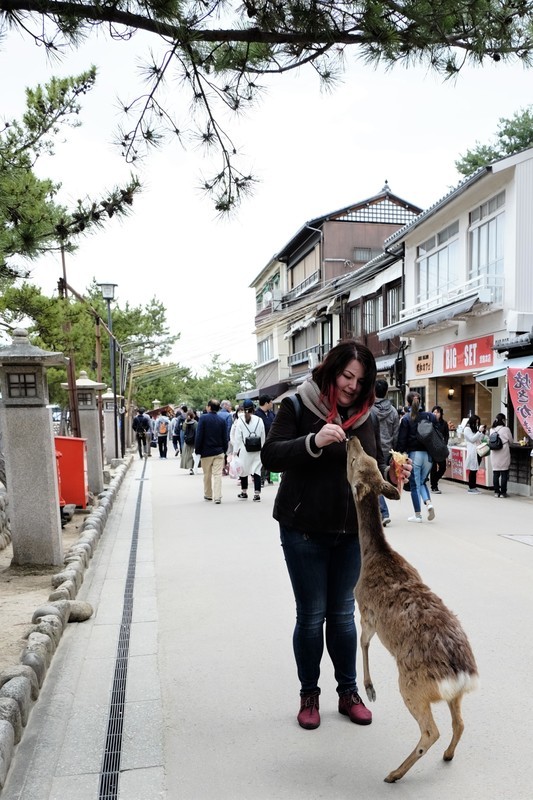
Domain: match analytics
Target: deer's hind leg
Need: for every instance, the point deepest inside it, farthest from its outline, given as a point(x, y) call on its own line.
point(457, 726)
point(420, 708)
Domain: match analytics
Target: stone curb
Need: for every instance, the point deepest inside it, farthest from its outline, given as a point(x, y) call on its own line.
point(20, 685)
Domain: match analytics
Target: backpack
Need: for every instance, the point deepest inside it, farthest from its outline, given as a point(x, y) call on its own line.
point(495, 442)
point(432, 440)
point(189, 435)
point(140, 424)
point(163, 429)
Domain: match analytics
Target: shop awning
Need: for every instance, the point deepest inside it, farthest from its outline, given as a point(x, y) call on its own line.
point(385, 364)
point(420, 322)
point(500, 369)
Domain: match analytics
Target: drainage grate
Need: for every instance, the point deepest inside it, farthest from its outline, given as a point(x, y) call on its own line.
point(109, 774)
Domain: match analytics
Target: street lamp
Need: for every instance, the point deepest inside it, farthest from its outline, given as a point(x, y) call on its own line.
point(108, 294)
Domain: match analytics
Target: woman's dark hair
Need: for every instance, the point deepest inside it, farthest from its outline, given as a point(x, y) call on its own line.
point(473, 422)
point(500, 420)
point(326, 373)
point(413, 401)
point(439, 409)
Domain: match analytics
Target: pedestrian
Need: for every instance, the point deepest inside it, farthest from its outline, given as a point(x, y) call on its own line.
point(474, 434)
point(211, 445)
point(249, 425)
point(175, 427)
point(142, 429)
point(189, 438)
point(182, 415)
point(316, 513)
point(500, 458)
point(438, 468)
point(149, 436)
point(422, 461)
point(265, 412)
point(386, 416)
point(225, 413)
point(161, 429)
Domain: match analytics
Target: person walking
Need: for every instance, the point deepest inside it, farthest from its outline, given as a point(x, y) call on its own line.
point(211, 445)
point(315, 510)
point(142, 428)
point(438, 468)
point(500, 458)
point(474, 434)
point(387, 419)
point(162, 428)
point(189, 437)
point(265, 412)
point(409, 443)
point(249, 425)
point(175, 427)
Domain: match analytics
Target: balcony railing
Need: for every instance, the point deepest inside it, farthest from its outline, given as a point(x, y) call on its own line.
point(302, 287)
point(303, 355)
point(488, 287)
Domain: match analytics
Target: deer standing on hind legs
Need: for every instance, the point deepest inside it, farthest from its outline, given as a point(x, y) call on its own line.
point(434, 658)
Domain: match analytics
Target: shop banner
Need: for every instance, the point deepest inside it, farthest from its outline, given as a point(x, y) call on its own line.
point(520, 383)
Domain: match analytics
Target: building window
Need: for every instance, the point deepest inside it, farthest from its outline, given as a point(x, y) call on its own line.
point(22, 384)
point(394, 299)
point(373, 314)
point(355, 320)
point(438, 263)
point(486, 236)
point(265, 349)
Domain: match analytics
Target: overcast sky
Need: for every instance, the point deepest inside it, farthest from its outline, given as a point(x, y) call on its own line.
point(313, 153)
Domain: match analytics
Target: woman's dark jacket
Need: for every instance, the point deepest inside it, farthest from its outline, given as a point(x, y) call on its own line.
point(314, 494)
point(407, 439)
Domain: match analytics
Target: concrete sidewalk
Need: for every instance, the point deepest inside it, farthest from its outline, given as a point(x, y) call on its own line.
point(211, 695)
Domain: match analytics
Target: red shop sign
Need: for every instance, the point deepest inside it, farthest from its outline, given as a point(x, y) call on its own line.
point(470, 355)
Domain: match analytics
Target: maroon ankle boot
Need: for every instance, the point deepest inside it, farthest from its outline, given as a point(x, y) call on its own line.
point(352, 706)
point(309, 717)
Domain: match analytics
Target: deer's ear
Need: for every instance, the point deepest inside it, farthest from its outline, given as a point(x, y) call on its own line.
point(390, 491)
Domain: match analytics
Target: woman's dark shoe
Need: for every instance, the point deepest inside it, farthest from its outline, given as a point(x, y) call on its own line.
point(352, 706)
point(243, 496)
point(309, 717)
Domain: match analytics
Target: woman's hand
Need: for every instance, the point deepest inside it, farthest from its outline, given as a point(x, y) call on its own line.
point(329, 434)
point(400, 472)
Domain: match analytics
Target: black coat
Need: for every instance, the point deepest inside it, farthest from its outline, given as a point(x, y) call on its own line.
point(314, 494)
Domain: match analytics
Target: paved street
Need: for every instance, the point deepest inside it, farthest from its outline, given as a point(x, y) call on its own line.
point(211, 694)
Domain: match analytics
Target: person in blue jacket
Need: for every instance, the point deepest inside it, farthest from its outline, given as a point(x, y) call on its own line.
point(422, 461)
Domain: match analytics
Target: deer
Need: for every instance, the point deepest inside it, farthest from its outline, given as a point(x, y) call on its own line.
point(432, 652)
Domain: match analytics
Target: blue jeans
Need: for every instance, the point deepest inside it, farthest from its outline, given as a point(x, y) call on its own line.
point(422, 462)
point(323, 572)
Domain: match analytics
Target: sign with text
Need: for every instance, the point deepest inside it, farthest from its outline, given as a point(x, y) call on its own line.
point(473, 354)
point(520, 383)
point(424, 363)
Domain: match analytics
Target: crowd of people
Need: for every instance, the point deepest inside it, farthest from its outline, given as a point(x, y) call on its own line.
point(211, 439)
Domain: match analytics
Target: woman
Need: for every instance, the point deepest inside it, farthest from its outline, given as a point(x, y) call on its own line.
point(438, 468)
point(501, 459)
point(316, 513)
point(248, 424)
point(474, 434)
point(189, 436)
point(408, 442)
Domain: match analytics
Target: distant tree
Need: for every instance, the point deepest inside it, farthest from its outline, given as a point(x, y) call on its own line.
point(142, 331)
point(512, 136)
point(220, 51)
point(31, 221)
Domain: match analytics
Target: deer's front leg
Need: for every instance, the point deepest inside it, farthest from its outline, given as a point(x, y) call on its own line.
point(367, 632)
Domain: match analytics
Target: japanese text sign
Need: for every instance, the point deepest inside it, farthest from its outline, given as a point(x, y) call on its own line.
point(520, 382)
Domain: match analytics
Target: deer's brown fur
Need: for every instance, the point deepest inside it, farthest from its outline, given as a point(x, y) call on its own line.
point(434, 658)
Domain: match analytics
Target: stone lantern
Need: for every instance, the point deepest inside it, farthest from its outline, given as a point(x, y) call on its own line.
point(108, 407)
point(86, 390)
point(30, 452)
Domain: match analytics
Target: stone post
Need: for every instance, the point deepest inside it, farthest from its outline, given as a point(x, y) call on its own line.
point(108, 408)
point(30, 452)
point(90, 429)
